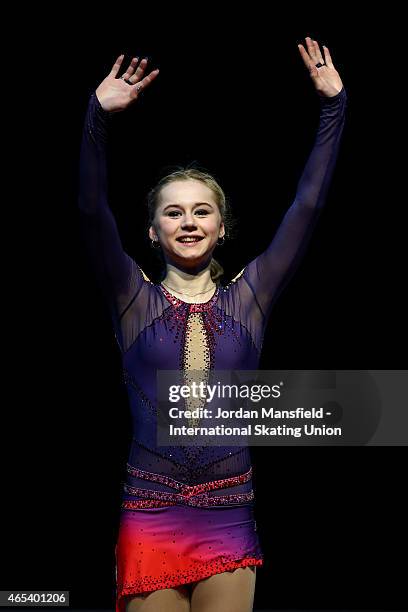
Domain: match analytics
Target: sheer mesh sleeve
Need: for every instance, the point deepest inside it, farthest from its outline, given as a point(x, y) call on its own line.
point(261, 281)
point(118, 275)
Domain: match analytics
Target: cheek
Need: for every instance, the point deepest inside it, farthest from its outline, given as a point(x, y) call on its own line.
point(212, 226)
point(167, 226)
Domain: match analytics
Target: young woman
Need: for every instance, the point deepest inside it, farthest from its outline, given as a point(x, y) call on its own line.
point(187, 539)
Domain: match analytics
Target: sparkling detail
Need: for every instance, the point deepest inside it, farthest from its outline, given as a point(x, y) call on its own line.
point(203, 501)
point(129, 380)
point(197, 328)
point(189, 472)
point(145, 503)
point(196, 356)
point(189, 490)
point(197, 571)
point(189, 495)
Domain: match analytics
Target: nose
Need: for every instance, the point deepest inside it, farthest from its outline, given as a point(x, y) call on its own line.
point(188, 222)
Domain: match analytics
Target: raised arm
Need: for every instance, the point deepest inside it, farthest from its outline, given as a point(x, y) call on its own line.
point(117, 273)
point(268, 273)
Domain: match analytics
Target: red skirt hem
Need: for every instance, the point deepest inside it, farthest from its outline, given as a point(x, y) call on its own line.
point(178, 580)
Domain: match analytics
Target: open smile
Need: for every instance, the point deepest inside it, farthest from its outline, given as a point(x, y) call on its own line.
point(189, 242)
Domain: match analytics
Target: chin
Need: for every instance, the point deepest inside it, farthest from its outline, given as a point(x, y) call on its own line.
point(193, 259)
point(190, 252)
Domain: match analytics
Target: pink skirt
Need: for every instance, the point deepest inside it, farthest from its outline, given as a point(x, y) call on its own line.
point(163, 544)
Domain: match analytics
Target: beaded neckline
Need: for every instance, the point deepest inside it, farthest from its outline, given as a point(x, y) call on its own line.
point(178, 302)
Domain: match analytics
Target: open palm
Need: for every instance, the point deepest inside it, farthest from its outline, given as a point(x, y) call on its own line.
point(326, 79)
point(117, 94)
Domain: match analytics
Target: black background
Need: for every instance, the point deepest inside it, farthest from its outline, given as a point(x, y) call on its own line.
point(233, 94)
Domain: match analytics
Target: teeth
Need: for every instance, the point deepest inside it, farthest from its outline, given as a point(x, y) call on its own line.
point(189, 240)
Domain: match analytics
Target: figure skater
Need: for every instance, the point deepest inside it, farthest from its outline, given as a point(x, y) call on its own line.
point(187, 538)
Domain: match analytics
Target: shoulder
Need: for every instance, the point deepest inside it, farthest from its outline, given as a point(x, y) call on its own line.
point(238, 275)
point(145, 277)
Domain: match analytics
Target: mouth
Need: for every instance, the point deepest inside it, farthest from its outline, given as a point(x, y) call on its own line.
point(189, 241)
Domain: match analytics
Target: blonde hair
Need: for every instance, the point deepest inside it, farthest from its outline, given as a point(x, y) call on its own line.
point(184, 174)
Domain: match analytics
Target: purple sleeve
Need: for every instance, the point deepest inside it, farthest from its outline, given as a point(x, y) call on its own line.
point(268, 273)
point(118, 275)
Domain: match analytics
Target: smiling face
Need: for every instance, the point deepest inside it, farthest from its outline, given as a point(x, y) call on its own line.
point(187, 222)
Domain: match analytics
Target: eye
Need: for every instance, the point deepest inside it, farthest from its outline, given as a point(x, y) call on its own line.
point(200, 211)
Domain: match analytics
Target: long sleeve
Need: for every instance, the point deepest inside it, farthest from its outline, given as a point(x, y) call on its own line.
point(118, 275)
point(267, 274)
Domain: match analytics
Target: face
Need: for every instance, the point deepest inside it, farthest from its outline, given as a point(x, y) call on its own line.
point(187, 209)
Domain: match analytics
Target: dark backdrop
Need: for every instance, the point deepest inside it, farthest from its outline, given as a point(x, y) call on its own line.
point(233, 94)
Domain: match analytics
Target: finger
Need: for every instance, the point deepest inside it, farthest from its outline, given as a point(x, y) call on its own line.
point(311, 47)
point(140, 70)
point(131, 68)
point(305, 56)
point(116, 66)
point(318, 53)
point(149, 78)
point(327, 56)
point(141, 86)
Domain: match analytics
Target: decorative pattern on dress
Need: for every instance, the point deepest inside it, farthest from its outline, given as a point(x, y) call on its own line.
point(189, 495)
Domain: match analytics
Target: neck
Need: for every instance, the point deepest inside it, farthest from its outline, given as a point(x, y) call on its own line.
point(182, 281)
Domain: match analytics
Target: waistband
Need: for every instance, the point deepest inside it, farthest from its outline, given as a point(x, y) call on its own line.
point(190, 495)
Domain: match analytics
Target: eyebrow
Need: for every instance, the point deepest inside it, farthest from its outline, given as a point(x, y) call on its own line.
point(194, 205)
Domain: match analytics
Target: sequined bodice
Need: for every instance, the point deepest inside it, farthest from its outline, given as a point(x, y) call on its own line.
point(194, 338)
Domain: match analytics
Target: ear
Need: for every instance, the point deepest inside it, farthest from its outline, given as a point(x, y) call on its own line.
point(222, 230)
point(152, 233)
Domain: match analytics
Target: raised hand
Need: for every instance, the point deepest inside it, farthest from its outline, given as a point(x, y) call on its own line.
point(117, 94)
point(326, 79)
